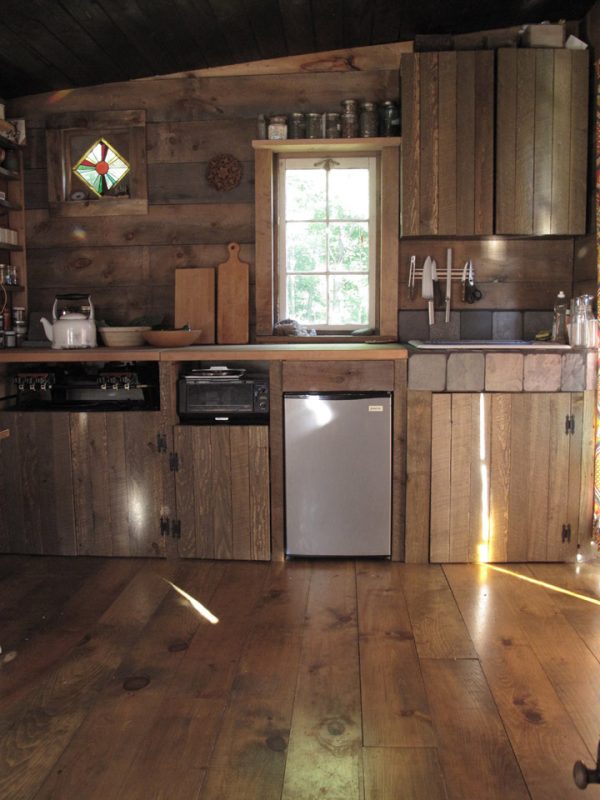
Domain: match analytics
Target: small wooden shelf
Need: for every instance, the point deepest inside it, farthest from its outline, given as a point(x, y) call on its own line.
point(15, 248)
point(13, 287)
point(339, 145)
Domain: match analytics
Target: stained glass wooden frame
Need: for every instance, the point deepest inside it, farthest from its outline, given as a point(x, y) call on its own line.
point(109, 159)
point(126, 129)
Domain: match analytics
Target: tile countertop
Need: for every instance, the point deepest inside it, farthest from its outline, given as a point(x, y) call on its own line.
point(281, 352)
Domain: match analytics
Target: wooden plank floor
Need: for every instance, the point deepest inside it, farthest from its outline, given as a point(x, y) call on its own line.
point(346, 680)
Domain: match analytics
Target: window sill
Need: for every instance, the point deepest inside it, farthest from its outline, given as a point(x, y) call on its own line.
point(324, 339)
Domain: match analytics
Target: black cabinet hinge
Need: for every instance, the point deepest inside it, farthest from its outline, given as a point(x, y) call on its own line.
point(566, 533)
point(174, 462)
point(164, 526)
point(176, 529)
point(569, 424)
point(161, 443)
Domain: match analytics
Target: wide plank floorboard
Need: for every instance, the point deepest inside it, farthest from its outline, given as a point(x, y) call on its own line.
point(357, 680)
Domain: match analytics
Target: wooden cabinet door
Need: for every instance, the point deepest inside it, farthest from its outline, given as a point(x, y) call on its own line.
point(37, 484)
point(447, 143)
point(505, 477)
point(222, 489)
point(541, 141)
point(118, 483)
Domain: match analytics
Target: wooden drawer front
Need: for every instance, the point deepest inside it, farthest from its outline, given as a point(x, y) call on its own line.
point(332, 376)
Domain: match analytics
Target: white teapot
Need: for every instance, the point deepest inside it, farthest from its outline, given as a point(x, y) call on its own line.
point(72, 329)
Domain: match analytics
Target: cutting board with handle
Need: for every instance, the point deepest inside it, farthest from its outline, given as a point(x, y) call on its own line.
point(233, 299)
point(195, 301)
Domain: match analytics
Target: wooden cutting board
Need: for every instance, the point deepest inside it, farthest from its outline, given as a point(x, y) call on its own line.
point(233, 299)
point(195, 301)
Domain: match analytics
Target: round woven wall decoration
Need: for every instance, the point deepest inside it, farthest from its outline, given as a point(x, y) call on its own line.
point(224, 172)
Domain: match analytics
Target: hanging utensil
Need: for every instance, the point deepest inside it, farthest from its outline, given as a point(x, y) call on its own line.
point(411, 276)
point(463, 280)
point(427, 289)
point(448, 283)
point(473, 293)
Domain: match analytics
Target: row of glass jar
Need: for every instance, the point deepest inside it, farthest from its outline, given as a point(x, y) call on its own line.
point(9, 275)
point(355, 121)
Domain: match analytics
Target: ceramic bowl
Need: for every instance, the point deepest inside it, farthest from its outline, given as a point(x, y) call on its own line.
point(171, 338)
point(123, 336)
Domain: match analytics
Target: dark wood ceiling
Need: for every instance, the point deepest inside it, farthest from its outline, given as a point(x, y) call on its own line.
point(59, 44)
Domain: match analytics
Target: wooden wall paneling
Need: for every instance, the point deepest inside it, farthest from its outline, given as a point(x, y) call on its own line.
point(578, 168)
point(207, 223)
point(332, 376)
point(506, 140)
point(429, 141)
point(561, 141)
point(185, 142)
point(542, 176)
point(399, 460)
point(411, 136)
point(276, 461)
point(217, 98)
point(114, 476)
point(168, 374)
point(500, 470)
point(483, 153)
point(264, 244)
point(87, 267)
point(189, 504)
point(174, 183)
point(55, 154)
point(92, 490)
point(524, 159)
point(585, 496)
point(441, 470)
point(260, 517)
point(465, 143)
point(564, 475)
point(418, 476)
point(390, 222)
point(201, 496)
point(220, 487)
point(450, 176)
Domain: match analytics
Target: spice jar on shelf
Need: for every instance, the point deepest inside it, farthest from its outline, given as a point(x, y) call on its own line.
point(332, 125)
point(314, 125)
point(11, 276)
point(368, 122)
point(389, 119)
point(349, 119)
point(297, 125)
point(278, 127)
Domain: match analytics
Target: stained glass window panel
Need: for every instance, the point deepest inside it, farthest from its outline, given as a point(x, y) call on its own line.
point(101, 168)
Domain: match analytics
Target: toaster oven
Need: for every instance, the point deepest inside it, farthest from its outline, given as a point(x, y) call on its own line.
point(222, 395)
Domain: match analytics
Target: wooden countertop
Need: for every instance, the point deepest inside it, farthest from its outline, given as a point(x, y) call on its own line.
point(250, 352)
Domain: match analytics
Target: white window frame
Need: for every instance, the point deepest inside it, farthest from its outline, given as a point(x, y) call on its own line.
point(345, 161)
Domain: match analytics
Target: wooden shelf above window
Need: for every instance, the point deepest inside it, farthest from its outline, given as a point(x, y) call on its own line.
point(339, 145)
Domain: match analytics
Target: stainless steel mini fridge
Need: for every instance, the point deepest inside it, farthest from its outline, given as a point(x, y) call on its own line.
point(338, 473)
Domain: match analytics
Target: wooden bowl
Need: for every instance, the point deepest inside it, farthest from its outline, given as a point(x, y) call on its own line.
point(115, 336)
point(171, 338)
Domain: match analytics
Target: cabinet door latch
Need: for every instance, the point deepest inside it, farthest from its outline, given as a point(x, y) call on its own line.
point(569, 424)
point(164, 526)
point(566, 533)
point(174, 462)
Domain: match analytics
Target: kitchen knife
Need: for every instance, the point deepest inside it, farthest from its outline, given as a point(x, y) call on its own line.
point(463, 280)
point(448, 283)
point(427, 289)
point(436, 284)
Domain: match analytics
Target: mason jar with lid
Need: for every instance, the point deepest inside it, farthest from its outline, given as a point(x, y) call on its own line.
point(390, 119)
point(332, 125)
point(368, 121)
point(314, 125)
point(278, 127)
point(349, 119)
point(297, 125)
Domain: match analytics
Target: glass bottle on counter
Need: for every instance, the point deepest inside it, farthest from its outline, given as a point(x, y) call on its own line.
point(559, 324)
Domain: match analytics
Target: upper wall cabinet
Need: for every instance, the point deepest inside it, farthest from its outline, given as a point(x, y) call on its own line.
point(541, 141)
point(539, 138)
point(447, 143)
